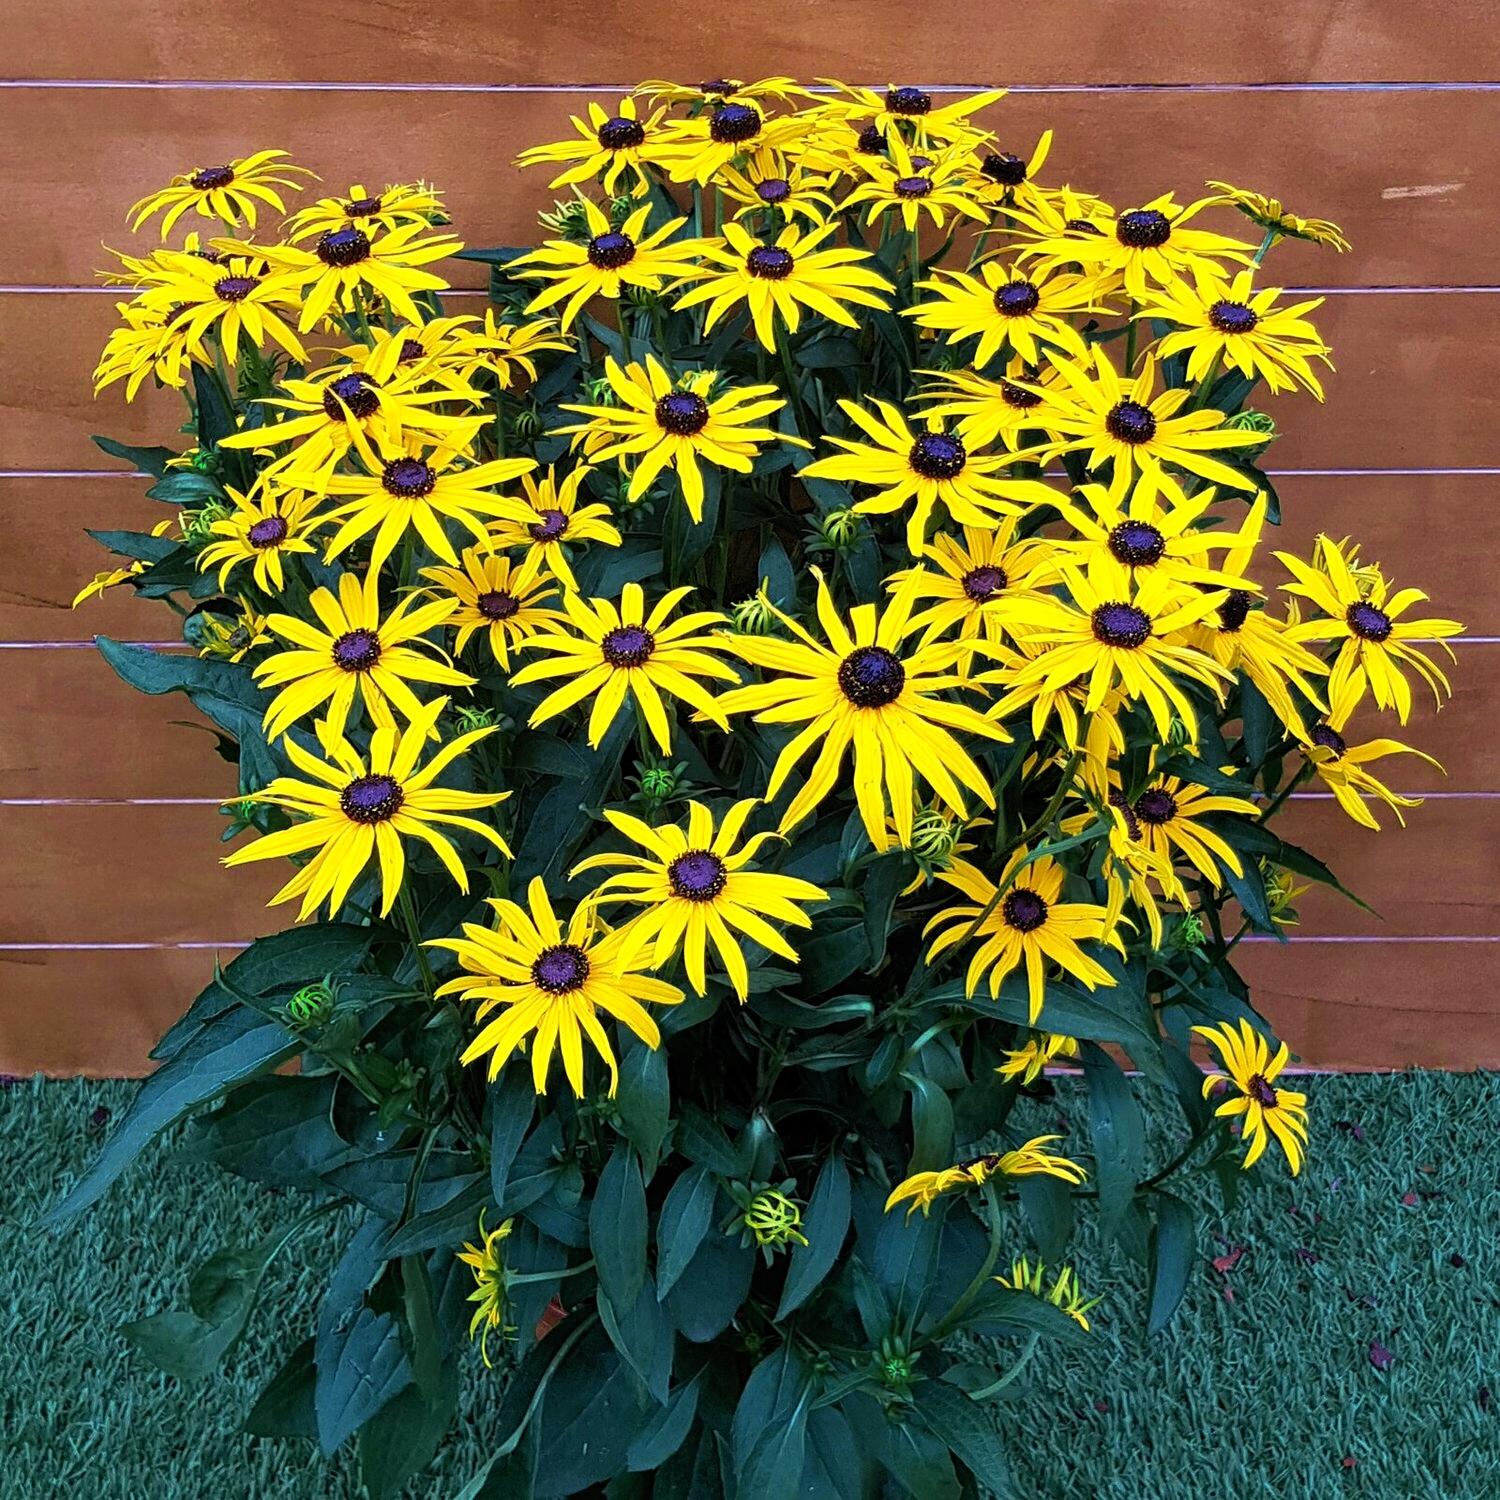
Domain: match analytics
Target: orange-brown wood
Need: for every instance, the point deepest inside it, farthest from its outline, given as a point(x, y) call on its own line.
point(1403, 173)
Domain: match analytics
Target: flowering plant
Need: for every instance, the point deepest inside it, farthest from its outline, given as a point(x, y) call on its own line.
point(803, 662)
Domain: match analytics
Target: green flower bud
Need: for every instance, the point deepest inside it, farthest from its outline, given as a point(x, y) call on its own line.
point(658, 783)
point(312, 1005)
point(841, 529)
point(197, 525)
point(526, 424)
point(755, 615)
point(567, 220)
point(774, 1219)
point(1189, 934)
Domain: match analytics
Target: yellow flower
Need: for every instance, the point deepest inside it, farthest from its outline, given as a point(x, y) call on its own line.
point(416, 485)
point(1005, 309)
point(263, 528)
point(1064, 1294)
point(555, 521)
point(234, 298)
point(1020, 921)
point(607, 145)
point(109, 578)
point(1375, 642)
point(1168, 814)
point(697, 149)
point(609, 261)
point(1004, 180)
point(1027, 1061)
point(923, 1189)
point(399, 206)
point(612, 651)
point(354, 651)
point(550, 983)
point(869, 693)
point(718, 90)
point(492, 593)
point(1270, 214)
point(491, 1284)
point(927, 471)
point(912, 109)
point(769, 184)
point(693, 886)
point(227, 629)
point(657, 426)
point(1341, 768)
point(1226, 323)
point(1017, 409)
point(358, 810)
point(777, 280)
point(227, 193)
point(913, 187)
point(504, 350)
point(1264, 1110)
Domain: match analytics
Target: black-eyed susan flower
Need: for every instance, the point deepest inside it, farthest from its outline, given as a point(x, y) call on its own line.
point(353, 651)
point(556, 522)
point(1270, 214)
point(902, 106)
point(549, 983)
point(770, 184)
point(1001, 178)
point(144, 344)
point(357, 810)
point(778, 280)
point(715, 91)
point(1027, 1062)
point(505, 598)
point(1344, 769)
point(606, 263)
point(1064, 1293)
point(237, 299)
point(613, 651)
point(1015, 410)
point(606, 147)
point(491, 1284)
point(867, 692)
point(912, 188)
point(1169, 815)
point(1365, 619)
point(416, 485)
point(693, 887)
point(923, 1189)
point(227, 629)
point(930, 471)
point(1142, 437)
point(1005, 309)
point(263, 528)
point(396, 206)
point(505, 350)
point(697, 149)
point(1120, 631)
point(1264, 1111)
point(1225, 323)
point(1022, 921)
point(659, 425)
point(229, 193)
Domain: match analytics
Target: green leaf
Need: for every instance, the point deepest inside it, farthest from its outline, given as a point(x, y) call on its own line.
point(137, 544)
point(1119, 1135)
point(186, 487)
point(644, 1101)
point(399, 1441)
point(380, 1182)
point(685, 1218)
point(278, 1131)
point(1171, 1257)
point(775, 570)
point(712, 1289)
point(642, 1337)
point(284, 1407)
point(931, 1125)
point(214, 415)
point(825, 1225)
point(512, 1108)
point(999, 1309)
point(445, 1226)
point(666, 1431)
point(1048, 1206)
point(148, 460)
point(701, 1140)
point(880, 889)
point(589, 1418)
point(557, 824)
point(617, 1227)
point(773, 1467)
point(968, 1430)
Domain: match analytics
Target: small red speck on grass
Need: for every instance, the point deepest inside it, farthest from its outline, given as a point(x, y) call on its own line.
point(1349, 1461)
point(1409, 1199)
point(1229, 1260)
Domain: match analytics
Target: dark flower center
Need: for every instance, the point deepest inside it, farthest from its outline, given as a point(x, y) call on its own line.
point(372, 799)
point(1018, 396)
point(357, 392)
point(935, 455)
point(734, 122)
point(682, 413)
point(356, 650)
point(773, 190)
point(1024, 910)
point(235, 288)
point(1328, 738)
point(409, 478)
point(769, 262)
point(362, 208)
point(1130, 422)
point(1235, 610)
point(913, 187)
point(551, 526)
point(1017, 299)
point(984, 582)
point(871, 141)
point(496, 604)
point(1143, 228)
point(1156, 806)
point(1137, 544)
point(1002, 167)
point(719, 86)
point(697, 875)
point(410, 350)
point(628, 646)
point(908, 101)
point(1082, 226)
point(620, 134)
point(212, 177)
point(611, 251)
point(267, 533)
point(1262, 1092)
point(1232, 317)
point(1118, 801)
point(344, 247)
point(213, 257)
point(921, 163)
point(1121, 625)
point(1368, 622)
point(561, 968)
point(871, 677)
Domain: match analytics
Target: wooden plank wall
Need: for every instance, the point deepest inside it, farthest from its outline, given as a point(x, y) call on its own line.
point(1367, 112)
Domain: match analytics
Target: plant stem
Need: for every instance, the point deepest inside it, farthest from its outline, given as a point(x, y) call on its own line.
point(1010, 1374)
point(414, 932)
point(1131, 329)
point(992, 1214)
point(793, 394)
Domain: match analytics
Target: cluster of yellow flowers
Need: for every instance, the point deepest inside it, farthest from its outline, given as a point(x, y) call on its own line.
point(1117, 604)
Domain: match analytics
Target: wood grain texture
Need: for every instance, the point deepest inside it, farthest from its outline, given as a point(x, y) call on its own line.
point(1404, 173)
point(1413, 389)
point(570, 41)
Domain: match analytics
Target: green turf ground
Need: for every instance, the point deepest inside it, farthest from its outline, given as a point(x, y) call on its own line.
point(1262, 1387)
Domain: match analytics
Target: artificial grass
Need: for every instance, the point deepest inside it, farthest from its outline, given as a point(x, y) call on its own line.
point(1264, 1384)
